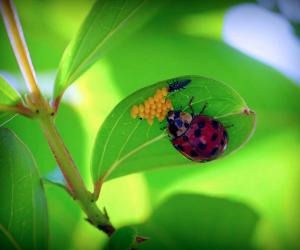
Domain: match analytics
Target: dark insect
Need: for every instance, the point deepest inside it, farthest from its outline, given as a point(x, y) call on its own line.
point(179, 84)
point(198, 137)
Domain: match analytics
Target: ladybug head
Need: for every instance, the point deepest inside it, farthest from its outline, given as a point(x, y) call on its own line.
point(178, 122)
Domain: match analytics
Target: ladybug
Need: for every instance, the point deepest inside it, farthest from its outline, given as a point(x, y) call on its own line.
point(178, 84)
point(199, 137)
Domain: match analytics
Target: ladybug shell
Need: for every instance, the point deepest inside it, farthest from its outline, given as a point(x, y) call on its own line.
point(205, 139)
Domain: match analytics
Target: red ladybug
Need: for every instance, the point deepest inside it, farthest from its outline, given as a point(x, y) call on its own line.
point(198, 137)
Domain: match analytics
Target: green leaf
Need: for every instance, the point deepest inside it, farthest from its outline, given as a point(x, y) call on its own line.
point(125, 145)
point(104, 20)
point(122, 239)
point(8, 97)
point(23, 214)
point(191, 221)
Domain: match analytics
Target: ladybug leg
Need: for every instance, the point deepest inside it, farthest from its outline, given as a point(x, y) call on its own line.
point(191, 106)
point(163, 127)
point(229, 126)
point(203, 108)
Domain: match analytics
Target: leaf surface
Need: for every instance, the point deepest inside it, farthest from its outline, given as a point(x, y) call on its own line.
point(125, 145)
point(104, 20)
point(8, 97)
point(192, 221)
point(23, 214)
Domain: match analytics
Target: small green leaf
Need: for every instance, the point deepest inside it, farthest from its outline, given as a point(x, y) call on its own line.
point(23, 213)
point(125, 145)
point(122, 239)
point(8, 97)
point(105, 18)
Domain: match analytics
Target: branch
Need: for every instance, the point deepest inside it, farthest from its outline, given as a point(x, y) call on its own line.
point(19, 108)
point(18, 43)
point(45, 116)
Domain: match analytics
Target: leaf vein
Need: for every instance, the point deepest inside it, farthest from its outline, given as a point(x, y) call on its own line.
point(10, 237)
point(132, 152)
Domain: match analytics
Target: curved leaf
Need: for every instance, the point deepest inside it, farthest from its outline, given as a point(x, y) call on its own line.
point(8, 97)
point(125, 145)
point(23, 213)
point(104, 19)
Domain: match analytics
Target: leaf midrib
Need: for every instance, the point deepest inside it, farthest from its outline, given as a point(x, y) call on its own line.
point(132, 152)
point(116, 163)
point(9, 91)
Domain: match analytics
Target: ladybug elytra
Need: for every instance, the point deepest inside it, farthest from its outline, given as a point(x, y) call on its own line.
point(199, 137)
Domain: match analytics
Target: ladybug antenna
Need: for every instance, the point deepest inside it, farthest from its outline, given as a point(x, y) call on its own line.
point(203, 108)
point(229, 126)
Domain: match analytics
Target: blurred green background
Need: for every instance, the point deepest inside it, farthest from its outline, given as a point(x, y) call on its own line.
point(249, 197)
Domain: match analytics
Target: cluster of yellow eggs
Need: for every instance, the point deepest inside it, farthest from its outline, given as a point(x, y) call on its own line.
point(155, 106)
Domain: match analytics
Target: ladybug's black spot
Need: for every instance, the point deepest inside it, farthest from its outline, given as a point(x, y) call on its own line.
point(193, 153)
point(186, 125)
point(222, 142)
point(170, 121)
point(215, 124)
point(197, 132)
point(214, 151)
point(202, 145)
point(185, 138)
point(173, 129)
point(201, 124)
point(214, 137)
point(179, 147)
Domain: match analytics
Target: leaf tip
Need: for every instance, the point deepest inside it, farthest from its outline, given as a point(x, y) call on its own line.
point(248, 111)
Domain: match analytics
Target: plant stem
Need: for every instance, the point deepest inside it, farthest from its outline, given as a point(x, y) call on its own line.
point(73, 177)
point(17, 40)
point(46, 119)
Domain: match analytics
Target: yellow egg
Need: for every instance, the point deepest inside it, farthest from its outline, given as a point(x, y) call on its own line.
point(134, 111)
point(159, 94)
point(147, 104)
point(142, 115)
point(151, 100)
point(141, 108)
point(150, 121)
point(164, 91)
point(168, 103)
point(153, 107)
point(160, 118)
